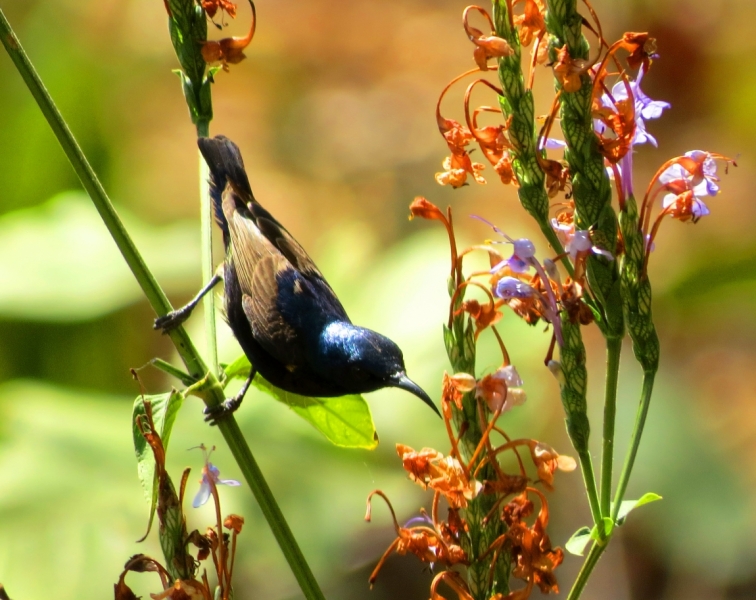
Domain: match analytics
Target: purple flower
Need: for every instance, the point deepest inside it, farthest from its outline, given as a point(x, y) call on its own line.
point(645, 108)
point(523, 255)
point(210, 473)
point(508, 288)
point(703, 182)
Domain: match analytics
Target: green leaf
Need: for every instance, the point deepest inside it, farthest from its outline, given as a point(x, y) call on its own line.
point(239, 368)
point(627, 505)
point(578, 541)
point(608, 526)
point(345, 421)
point(165, 408)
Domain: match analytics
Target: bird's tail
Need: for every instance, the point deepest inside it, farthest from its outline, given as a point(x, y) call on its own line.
point(226, 167)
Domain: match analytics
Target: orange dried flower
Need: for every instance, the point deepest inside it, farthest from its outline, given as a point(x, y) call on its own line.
point(533, 558)
point(486, 45)
point(229, 51)
point(568, 70)
point(457, 168)
point(547, 460)
point(641, 46)
point(531, 22)
point(423, 541)
point(234, 522)
point(425, 209)
point(451, 392)
point(431, 469)
point(212, 6)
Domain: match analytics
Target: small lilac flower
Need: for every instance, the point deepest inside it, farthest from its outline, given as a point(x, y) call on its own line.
point(551, 144)
point(581, 243)
point(645, 108)
point(522, 256)
point(508, 288)
point(577, 242)
point(210, 473)
point(703, 182)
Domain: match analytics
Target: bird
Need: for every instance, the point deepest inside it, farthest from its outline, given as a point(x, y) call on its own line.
point(284, 314)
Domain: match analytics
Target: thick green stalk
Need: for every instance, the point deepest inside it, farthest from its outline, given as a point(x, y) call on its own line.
point(208, 265)
point(632, 452)
point(613, 351)
point(589, 479)
point(460, 346)
point(585, 571)
point(193, 361)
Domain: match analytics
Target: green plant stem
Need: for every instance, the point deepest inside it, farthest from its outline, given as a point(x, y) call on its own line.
point(208, 265)
point(157, 299)
point(585, 571)
point(613, 351)
point(640, 421)
point(589, 478)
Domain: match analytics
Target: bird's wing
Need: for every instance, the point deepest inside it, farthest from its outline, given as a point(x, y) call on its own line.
point(258, 264)
point(284, 242)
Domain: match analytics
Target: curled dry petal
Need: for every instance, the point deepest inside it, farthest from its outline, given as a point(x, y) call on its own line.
point(229, 51)
point(431, 469)
point(568, 71)
point(547, 460)
point(425, 209)
point(234, 522)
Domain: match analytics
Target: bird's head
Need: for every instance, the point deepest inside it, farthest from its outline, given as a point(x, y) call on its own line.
point(365, 361)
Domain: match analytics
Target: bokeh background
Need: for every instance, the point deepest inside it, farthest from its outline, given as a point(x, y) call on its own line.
point(334, 112)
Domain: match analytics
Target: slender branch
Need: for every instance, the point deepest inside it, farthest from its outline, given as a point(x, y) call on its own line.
point(589, 478)
point(613, 351)
point(585, 571)
point(208, 265)
point(155, 295)
point(640, 421)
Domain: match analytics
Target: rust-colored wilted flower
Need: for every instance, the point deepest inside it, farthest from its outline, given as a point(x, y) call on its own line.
point(568, 70)
point(620, 119)
point(547, 460)
point(533, 558)
point(235, 522)
point(229, 51)
point(213, 6)
point(446, 475)
point(641, 47)
point(486, 45)
point(457, 168)
point(183, 590)
point(425, 542)
point(425, 209)
point(452, 390)
point(531, 22)
point(501, 390)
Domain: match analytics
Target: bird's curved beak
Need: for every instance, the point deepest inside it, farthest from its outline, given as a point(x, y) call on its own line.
point(402, 381)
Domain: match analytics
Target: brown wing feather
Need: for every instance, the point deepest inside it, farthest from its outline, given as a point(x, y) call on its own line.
point(257, 263)
point(283, 241)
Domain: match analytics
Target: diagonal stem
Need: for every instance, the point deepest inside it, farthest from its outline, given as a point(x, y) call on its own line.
point(640, 421)
point(157, 299)
point(208, 266)
point(613, 350)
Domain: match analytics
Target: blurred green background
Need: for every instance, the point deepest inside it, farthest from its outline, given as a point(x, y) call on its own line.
point(334, 113)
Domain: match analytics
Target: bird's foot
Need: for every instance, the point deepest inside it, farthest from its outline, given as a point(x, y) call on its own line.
point(222, 411)
point(173, 319)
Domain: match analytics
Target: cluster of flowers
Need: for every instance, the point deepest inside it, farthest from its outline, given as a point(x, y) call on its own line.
point(532, 288)
point(460, 481)
point(437, 541)
point(226, 51)
point(179, 578)
point(620, 116)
